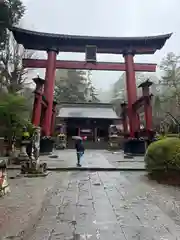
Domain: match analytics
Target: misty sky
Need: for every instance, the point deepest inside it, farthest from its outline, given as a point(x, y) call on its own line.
point(107, 18)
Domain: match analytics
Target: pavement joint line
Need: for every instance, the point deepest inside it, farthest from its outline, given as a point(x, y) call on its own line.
point(93, 169)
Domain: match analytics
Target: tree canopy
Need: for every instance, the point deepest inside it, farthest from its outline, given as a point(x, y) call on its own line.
point(11, 12)
point(13, 75)
point(168, 98)
point(14, 108)
point(74, 86)
point(14, 113)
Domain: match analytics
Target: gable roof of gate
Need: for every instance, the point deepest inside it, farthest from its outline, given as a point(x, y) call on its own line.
point(76, 43)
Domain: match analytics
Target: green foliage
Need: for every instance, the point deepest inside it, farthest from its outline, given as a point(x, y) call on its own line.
point(70, 89)
point(170, 67)
point(4, 20)
point(11, 53)
point(90, 89)
point(73, 86)
point(16, 11)
point(169, 91)
point(30, 127)
point(172, 135)
point(13, 114)
point(11, 12)
point(163, 155)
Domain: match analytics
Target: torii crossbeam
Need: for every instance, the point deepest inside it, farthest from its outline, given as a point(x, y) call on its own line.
point(82, 65)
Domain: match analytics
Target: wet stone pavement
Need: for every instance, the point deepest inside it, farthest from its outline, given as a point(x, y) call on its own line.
point(90, 205)
point(22, 207)
point(93, 158)
point(110, 205)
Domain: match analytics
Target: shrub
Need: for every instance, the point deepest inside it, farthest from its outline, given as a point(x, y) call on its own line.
point(163, 155)
point(13, 113)
point(174, 135)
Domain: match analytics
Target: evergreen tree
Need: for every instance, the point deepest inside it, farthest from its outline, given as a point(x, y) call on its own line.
point(91, 90)
point(74, 86)
point(11, 54)
point(11, 12)
point(170, 82)
point(14, 114)
point(71, 88)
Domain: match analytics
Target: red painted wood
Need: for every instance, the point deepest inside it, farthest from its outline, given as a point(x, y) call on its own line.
point(109, 66)
point(48, 91)
point(131, 93)
point(36, 113)
point(53, 122)
point(141, 101)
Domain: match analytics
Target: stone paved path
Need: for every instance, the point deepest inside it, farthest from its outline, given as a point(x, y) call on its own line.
point(93, 158)
point(106, 205)
point(90, 205)
point(21, 208)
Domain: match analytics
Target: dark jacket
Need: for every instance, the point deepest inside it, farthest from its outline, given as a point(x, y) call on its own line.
point(79, 146)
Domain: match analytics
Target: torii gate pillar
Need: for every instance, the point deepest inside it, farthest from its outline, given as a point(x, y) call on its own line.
point(36, 114)
point(131, 92)
point(49, 90)
point(124, 117)
point(53, 120)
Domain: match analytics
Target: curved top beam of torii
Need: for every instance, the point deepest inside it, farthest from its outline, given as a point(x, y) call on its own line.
point(75, 43)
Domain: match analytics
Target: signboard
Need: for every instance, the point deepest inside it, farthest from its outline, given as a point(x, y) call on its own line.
point(91, 51)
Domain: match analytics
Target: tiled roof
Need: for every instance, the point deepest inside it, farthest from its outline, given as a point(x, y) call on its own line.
point(87, 112)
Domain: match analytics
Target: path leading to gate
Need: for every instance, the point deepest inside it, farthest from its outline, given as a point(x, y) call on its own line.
point(93, 159)
point(108, 206)
point(80, 205)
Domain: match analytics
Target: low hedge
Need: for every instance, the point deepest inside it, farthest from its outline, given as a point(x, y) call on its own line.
point(163, 156)
point(174, 135)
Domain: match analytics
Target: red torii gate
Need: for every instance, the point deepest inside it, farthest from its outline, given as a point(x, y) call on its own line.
point(82, 65)
point(55, 43)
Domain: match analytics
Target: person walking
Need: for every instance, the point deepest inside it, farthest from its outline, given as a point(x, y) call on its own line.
point(79, 146)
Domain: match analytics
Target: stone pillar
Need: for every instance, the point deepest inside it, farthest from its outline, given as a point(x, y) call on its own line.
point(53, 117)
point(36, 115)
point(36, 145)
point(147, 104)
point(49, 90)
point(131, 91)
point(124, 117)
point(4, 186)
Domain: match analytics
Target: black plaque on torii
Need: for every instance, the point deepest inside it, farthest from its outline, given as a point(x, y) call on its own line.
point(90, 52)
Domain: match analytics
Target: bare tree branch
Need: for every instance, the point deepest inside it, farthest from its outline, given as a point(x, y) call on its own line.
point(12, 57)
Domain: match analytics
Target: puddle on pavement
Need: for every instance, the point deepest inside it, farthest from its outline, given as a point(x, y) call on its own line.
point(96, 184)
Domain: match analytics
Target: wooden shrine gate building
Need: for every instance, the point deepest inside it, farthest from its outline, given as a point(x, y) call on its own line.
point(91, 45)
point(87, 119)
